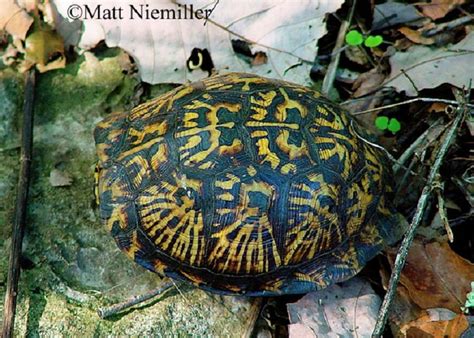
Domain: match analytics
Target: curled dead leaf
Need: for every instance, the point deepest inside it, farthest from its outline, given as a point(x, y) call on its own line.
point(435, 276)
point(355, 54)
point(368, 82)
point(437, 107)
point(429, 325)
point(416, 36)
point(402, 45)
point(436, 9)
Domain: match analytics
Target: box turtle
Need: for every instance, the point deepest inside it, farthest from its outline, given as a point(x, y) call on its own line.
point(244, 185)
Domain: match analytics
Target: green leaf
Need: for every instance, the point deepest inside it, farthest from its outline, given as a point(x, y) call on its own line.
point(469, 300)
point(354, 38)
point(381, 122)
point(470, 297)
point(394, 126)
point(373, 41)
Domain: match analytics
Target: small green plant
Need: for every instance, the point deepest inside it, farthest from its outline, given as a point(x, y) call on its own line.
point(355, 38)
point(469, 305)
point(384, 123)
point(373, 41)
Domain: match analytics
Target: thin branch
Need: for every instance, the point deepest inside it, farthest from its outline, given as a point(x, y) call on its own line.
point(109, 311)
point(442, 211)
point(332, 68)
point(408, 239)
point(410, 80)
point(407, 171)
point(419, 99)
point(411, 149)
point(448, 25)
point(19, 222)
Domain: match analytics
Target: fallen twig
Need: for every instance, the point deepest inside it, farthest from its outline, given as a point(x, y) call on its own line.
point(109, 311)
point(419, 99)
point(411, 149)
point(407, 240)
point(331, 71)
point(11, 293)
point(442, 211)
point(448, 25)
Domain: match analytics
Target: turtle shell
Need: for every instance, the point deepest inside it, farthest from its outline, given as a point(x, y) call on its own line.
point(243, 184)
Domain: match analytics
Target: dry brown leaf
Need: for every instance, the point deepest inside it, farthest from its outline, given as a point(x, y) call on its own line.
point(437, 107)
point(402, 310)
point(402, 44)
point(428, 326)
point(14, 19)
point(435, 276)
point(416, 36)
point(407, 319)
point(422, 67)
point(355, 54)
point(437, 9)
point(368, 82)
point(343, 310)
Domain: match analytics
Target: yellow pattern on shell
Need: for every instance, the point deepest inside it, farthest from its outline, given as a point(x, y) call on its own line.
point(156, 129)
point(244, 244)
point(193, 133)
point(288, 103)
point(183, 240)
point(293, 151)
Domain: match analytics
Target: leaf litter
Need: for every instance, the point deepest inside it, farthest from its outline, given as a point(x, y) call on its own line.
point(285, 31)
point(346, 309)
point(421, 67)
